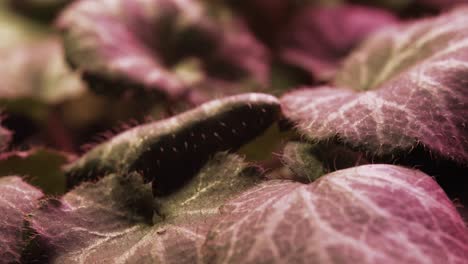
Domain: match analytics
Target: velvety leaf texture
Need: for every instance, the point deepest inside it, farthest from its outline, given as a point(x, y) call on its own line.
point(298, 156)
point(111, 221)
point(181, 144)
point(405, 87)
point(139, 43)
point(320, 37)
point(17, 200)
point(366, 214)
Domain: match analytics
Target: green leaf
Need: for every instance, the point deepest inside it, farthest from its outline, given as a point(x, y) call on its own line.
point(172, 150)
point(110, 221)
point(41, 167)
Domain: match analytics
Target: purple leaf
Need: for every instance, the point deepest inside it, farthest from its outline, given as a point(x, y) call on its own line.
point(172, 150)
point(17, 200)
point(319, 38)
point(112, 221)
point(406, 87)
point(139, 43)
point(366, 214)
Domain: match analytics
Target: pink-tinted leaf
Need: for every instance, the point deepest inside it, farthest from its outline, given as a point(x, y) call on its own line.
point(17, 200)
point(172, 150)
point(366, 214)
point(138, 43)
point(112, 221)
point(319, 38)
point(405, 87)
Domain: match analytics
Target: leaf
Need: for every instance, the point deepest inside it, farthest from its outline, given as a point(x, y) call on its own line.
point(5, 138)
point(41, 167)
point(309, 161)
point(404, 88)
point(15, 29)
point(39, 9)
point(299, 158)
point(441, 4)
point(25, 75)
point(33, 66)
point(136, 44)
point(366, 214)
point(17, 200)
point(110, 221)
point(318, 38)
point(179, 145)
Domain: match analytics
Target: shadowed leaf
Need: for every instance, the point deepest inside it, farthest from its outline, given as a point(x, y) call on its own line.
point(41, 167)
point(172, 150)
point(318, 38)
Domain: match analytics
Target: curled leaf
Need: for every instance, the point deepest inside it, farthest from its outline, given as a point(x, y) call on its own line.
point(172, 150)
point(17, 200)
point(137, 44)
point(366, 214)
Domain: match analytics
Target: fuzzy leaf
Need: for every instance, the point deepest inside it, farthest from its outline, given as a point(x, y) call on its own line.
point(308, 162)
point(405, 87)
point(299, 158)
point(110, 221)
point(366, 214)
point(319, 38)
point(172, 150)
point(136, 44)
point(41, 167)
point(17, 200)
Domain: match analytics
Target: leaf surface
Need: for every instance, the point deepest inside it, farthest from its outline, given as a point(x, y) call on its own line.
point(365, 214)
point(404, 88)
point(35, 74)
point(41, 167)
point(138, 44)
point(179, 145)
point(17, 200)
point(112, 221)
point(318, 38)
